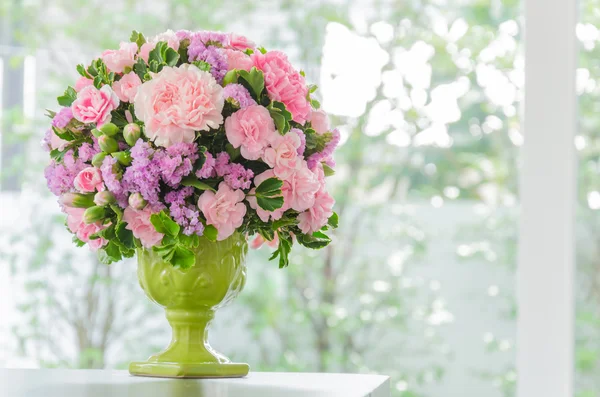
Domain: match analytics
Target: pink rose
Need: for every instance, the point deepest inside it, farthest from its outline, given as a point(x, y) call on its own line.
point(177, 102)
point(316, 216)
point(117, 60)
point(282, 156)
point(300, 188)
point(223, 209)
point(89, 180)
point(252, 128)
point(127, 87)
point(138, 221)
point(263, 214)
point(169, 36)
point(319, 121)
point(82, 230)
point(239, 42)
point(238, 60)
point(94, 105)
point(82, 82)
point(284, 83)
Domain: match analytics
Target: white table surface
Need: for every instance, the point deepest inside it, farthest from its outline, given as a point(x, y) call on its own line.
point(107, 383)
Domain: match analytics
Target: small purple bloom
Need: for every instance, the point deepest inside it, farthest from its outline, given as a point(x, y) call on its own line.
point(184, 213)
point(62, 118)
point(208, 168)
point(203, 47)
point(238, 95)
point(238, 177)
point(60, 177)
point(87, 151)
point(326, 155)
point(302, 146)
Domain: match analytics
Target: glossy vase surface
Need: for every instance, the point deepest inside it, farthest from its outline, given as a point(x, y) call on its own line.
point(190, 298)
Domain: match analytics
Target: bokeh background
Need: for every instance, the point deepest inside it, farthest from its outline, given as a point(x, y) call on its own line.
point(419, 282)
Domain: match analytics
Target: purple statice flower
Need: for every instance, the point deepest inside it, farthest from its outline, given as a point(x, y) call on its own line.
point(111, 175)
point(46, 140)
point(222, 164)
point(175, 162)
point(238, 95)
point(208, 168)
point(302, 146)
point(60, 177)
point(327, 154)
point(62, 118)
point(184, 213)
point(202, 48)
point(238, 177)
point(211, 38)
point(143, 175)
point(183, 34)
point(87, 152)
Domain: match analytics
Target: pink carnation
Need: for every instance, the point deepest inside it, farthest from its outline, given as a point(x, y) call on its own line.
point(316, 216)
point(89, 180)
point(284, 83)
point(263, 214)
point(82, 82)
point(127, 87)
point(282, 156)
point(239, 42)
point(300, 188)
point(319, 121)
point(252, 128)
point(82, 230)
point(177, 102)
point(94, 105)
point(138, 221)
point(117, 60)
point(238, 60)
point(223, 209)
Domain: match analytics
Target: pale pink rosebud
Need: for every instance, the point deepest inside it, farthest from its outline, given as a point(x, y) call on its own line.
point(136, 201)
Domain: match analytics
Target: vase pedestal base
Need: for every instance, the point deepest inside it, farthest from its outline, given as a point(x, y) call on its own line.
point(189, 370)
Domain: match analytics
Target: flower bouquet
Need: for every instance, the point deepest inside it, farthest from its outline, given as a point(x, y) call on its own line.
point(179, 148)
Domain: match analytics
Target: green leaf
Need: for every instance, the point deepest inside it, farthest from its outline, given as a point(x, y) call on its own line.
point(333, 220)
point(81, 70)
point(315, 241)
point(171, 57)
point(269, 203)
point(124, 235)
point(141, 69)
point(65, 135)
point(98, 81)
point(262, 50)
point(281, 117)
point(233, 153)
point(166, 251)
point(68, 97)
point(158, 54)
point(191, 180)
point(269, 187)
point(57, 155)
point(315, 104)
point(210, 232)
point(283, 222)
point(327, 170)
point(255, 79)
point(312, 88)
point(202, 65)
point(284, 248)
point(137, 38)
point(267, 234)
point(171, 227)
point(282, 125)
point(158, 224)
point(109, 253)
point(183, 258)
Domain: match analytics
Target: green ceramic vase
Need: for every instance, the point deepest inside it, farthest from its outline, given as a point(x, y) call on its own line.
point(190, 298)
